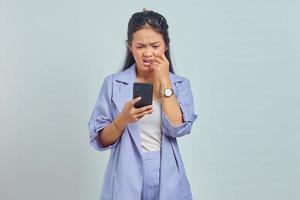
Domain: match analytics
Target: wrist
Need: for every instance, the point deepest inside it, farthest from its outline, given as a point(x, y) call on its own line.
point(165, 83)
point(120, 123)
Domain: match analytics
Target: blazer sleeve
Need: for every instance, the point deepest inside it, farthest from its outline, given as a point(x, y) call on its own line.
point(102, 114)
point(186, 103)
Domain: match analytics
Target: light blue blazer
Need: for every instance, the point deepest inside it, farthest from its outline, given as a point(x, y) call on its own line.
point(124, 173)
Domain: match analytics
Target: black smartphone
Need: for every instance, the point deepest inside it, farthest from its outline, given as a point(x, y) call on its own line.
point(144, 90)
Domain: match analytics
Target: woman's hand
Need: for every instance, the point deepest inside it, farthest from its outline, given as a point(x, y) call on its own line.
point(161, 66)
point(131, 114)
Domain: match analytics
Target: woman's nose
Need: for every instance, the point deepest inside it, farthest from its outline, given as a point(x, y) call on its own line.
point(148, 52)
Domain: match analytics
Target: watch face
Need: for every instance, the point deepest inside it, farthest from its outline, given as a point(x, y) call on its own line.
point(168, 92)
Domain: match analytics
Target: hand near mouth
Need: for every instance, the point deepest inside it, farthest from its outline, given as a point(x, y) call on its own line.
point(160, 65)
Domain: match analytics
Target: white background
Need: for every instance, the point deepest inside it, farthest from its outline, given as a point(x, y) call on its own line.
point(242, 58)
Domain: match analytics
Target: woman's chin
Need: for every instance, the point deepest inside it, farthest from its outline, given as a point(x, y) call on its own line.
point(145, 64)
point(147, 68)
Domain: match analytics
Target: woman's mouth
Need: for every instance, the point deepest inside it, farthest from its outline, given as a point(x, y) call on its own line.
point(147, 62)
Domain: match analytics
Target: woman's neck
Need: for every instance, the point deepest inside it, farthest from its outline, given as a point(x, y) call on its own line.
point(146, 77)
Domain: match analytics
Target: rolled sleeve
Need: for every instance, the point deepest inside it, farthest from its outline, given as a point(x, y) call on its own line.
point(186, 103)
point(102, 115)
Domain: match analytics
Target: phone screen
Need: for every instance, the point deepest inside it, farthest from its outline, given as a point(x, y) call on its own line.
point(144, 90)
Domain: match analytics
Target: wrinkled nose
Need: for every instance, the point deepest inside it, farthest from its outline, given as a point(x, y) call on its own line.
point(147, 52)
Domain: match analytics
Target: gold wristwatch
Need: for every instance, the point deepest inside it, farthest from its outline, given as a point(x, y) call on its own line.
point(167, 92)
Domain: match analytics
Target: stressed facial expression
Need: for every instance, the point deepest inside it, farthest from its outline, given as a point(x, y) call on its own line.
point(145, 44)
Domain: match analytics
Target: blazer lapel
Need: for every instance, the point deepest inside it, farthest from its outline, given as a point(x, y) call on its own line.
point(123, 92)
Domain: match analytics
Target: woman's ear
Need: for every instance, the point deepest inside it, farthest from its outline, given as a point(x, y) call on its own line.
point(166, 49)
point(128, 46)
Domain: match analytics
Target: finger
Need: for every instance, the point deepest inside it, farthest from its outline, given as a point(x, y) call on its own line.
point(157, 55)
point(156, 63)
point(140, 115)
point(142, 109)
point(162, 57)
point(157, 59)
point(133, 101)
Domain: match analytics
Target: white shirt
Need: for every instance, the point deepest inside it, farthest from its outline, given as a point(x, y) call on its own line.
point(150, 128)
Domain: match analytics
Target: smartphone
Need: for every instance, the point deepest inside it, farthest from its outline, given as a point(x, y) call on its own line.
point(144, 90)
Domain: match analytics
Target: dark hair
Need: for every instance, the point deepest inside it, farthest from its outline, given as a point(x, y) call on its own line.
point(157, 22)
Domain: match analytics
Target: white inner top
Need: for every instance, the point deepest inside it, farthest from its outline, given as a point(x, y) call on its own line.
point(150, 127)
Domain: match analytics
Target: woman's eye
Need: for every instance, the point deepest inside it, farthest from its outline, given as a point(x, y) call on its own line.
point(139, 47)
point(155, 47)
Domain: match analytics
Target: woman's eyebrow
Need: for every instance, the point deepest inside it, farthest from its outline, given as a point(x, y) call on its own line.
point(152, 43)
point(139, 43)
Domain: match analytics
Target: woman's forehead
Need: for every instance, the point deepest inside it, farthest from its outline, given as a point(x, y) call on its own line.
point(147, 35)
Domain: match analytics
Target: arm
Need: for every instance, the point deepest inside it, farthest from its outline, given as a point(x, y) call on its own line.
point(111, 133)
point(186, 105)
point(177, 113)
point(105, 131)
point(170, 106)
point(102, 115)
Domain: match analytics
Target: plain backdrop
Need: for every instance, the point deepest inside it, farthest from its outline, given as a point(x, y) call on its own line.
point(242, 58)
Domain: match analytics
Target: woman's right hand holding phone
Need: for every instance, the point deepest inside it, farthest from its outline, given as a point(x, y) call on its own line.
point(128, 115)
point(131, 114)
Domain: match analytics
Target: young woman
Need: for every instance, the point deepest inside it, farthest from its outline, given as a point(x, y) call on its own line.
point(145, 161)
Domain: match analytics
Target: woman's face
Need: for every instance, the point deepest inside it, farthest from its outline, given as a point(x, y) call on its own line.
point(145, 43)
